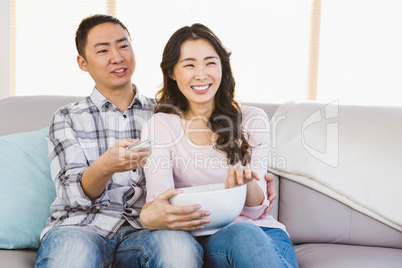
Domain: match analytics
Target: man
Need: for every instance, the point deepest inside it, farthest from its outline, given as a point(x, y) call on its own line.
point(100, 185)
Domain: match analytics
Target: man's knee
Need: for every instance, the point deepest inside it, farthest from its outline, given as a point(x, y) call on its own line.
point(69, 247)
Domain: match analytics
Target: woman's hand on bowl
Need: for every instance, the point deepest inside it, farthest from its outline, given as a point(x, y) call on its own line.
point(239, 175)
point(160, 214)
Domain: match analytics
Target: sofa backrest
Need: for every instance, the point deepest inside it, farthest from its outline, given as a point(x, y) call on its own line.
point(351, 157)
point(310, 216)
point(29, 113)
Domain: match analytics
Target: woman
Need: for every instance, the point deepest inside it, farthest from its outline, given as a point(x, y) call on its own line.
point(196, 125)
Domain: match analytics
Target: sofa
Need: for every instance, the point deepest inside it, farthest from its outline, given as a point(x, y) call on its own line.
point(325, 158)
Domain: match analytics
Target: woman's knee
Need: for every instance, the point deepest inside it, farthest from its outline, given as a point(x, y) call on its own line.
point(285, 246)
point(241, 232)
point(234, 238)
point(241, 245)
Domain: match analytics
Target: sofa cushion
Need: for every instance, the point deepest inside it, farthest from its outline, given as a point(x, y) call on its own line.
point(29, 113)
point(26, 188)
point(312, 217)
point(23, 258)
point(347, 256)
point(350, 153)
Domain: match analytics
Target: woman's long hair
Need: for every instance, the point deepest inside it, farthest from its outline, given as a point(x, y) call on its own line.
point(226, 116)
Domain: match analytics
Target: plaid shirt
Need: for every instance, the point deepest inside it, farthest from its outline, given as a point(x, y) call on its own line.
point(79, 133)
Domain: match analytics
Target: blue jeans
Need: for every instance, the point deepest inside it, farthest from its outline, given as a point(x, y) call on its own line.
point(70, 246)
point(247, 245)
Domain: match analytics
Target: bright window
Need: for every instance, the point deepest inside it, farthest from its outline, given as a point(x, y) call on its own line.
point(268, 39)
point(45, 53)
point(361, 51)
point(357, 57)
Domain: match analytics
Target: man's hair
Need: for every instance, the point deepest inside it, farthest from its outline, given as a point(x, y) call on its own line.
point(81, 35)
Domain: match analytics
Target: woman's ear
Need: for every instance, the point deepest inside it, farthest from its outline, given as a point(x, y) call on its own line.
point(171, 75)
point(82, 63)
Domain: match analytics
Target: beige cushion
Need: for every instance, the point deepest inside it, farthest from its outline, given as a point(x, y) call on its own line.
point(350, 153)
point(312, 217)
point(343, 256)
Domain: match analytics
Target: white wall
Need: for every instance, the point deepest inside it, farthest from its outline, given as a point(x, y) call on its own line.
point(5, 49)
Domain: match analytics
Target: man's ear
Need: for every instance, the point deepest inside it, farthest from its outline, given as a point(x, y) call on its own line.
point(82, 63)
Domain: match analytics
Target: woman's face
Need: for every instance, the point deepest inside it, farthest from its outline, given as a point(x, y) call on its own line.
point(198, 73)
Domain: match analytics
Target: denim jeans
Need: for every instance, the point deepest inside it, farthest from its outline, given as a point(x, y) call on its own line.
point(247, 245)
point(70, 246)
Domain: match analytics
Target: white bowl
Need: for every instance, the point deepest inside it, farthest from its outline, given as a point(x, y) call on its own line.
point(225, 205)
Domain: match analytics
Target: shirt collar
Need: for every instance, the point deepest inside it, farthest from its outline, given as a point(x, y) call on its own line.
point(103, 103)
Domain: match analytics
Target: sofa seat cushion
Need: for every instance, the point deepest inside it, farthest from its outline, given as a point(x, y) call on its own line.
point(347, 256)
point(17, 258)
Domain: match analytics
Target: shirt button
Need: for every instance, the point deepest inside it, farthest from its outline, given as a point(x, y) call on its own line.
point(125, 116)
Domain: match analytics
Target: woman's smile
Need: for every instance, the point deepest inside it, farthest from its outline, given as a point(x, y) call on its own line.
point(201, 89)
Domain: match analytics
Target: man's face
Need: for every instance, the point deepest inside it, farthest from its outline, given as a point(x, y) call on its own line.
point(110, 59)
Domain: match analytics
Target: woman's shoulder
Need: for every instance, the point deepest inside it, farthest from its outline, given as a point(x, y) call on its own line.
point(165, 117)
point(166, 123)
point(169, 120)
